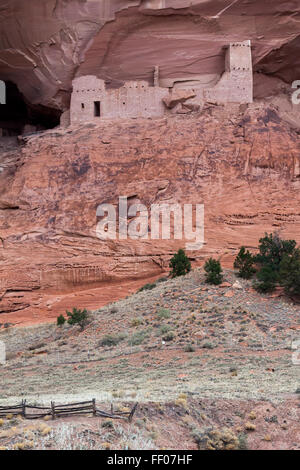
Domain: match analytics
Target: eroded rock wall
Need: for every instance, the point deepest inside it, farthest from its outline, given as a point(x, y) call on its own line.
point(242, 164)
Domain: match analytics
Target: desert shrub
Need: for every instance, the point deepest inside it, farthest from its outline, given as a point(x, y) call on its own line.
point(216, 439)
point(163, 329)
point(147, 287)
point(243, 445)
point(163, 314)
point(279, 262)
point(169, 336)
point(272, 250)
point(138, 338)
point(161, 279)
point(78, 317)
point(108, 424)
point(250, 426)
point(213, 271)
point(60, 320)
point(37, 345)
point(136, 322)
point(244, 262)
point(207, 345)
point(189, 348)
point(180, 264)
point(290, 273)
point(152, 285)
point(112, 340)
point(266, 279)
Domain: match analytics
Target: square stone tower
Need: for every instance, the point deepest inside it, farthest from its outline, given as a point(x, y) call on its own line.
point(236, 84)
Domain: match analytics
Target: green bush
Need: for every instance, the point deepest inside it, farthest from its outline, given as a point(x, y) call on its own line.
point(290, 273)
point(267, 279)
point(107, 424)
point(163, 329)
point(136, 322)
point(112, 340)
point(272, 250)
point(60, 320)
point(169, 336)
point(189, 348)
point(147, 287)
point(278, 261)
point(180, 264)
point(78, 317)
point(213, 271)
point(138, 338)
point(278, 264)
point(244, 262)
point(163, 314)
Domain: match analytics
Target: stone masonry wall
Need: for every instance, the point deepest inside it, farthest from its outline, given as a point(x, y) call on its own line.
point(236, 84)
point(133, 100)
point(91, 100)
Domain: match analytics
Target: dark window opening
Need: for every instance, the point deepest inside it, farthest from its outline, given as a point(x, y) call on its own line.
point(97, 108)
point(82, 105)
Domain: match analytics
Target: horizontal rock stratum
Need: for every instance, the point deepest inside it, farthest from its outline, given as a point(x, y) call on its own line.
point(242, 164)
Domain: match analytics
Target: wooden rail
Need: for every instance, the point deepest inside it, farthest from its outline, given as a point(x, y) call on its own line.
point(62, 410)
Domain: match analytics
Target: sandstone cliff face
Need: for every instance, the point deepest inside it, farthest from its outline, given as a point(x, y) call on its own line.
point(44, 44)
point(242, 164)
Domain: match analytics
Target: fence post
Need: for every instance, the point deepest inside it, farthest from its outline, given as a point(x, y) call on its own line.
point(94, 407)
point(112, 408)
point(24, 408)
point(53, 409)
point(130, 417)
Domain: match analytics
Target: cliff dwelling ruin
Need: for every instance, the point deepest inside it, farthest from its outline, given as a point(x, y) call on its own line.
point(92, 100)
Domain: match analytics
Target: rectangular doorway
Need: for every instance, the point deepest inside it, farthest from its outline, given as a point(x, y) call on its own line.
point(97, 108)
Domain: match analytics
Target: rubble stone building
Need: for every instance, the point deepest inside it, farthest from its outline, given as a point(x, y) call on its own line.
point(92, 100)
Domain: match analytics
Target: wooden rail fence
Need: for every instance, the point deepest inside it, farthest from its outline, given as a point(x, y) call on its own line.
point(59, 411)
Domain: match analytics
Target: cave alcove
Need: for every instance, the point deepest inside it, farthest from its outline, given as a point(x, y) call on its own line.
point(18, 116)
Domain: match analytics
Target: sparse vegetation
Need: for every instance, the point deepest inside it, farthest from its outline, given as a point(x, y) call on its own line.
point(153, 363)
point(138, 338)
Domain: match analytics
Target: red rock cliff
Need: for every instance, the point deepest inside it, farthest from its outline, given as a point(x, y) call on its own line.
point(243, 166)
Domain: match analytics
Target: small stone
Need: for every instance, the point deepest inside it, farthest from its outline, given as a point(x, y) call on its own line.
point(229, 294)
point(237, 285)
point(225, 284)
